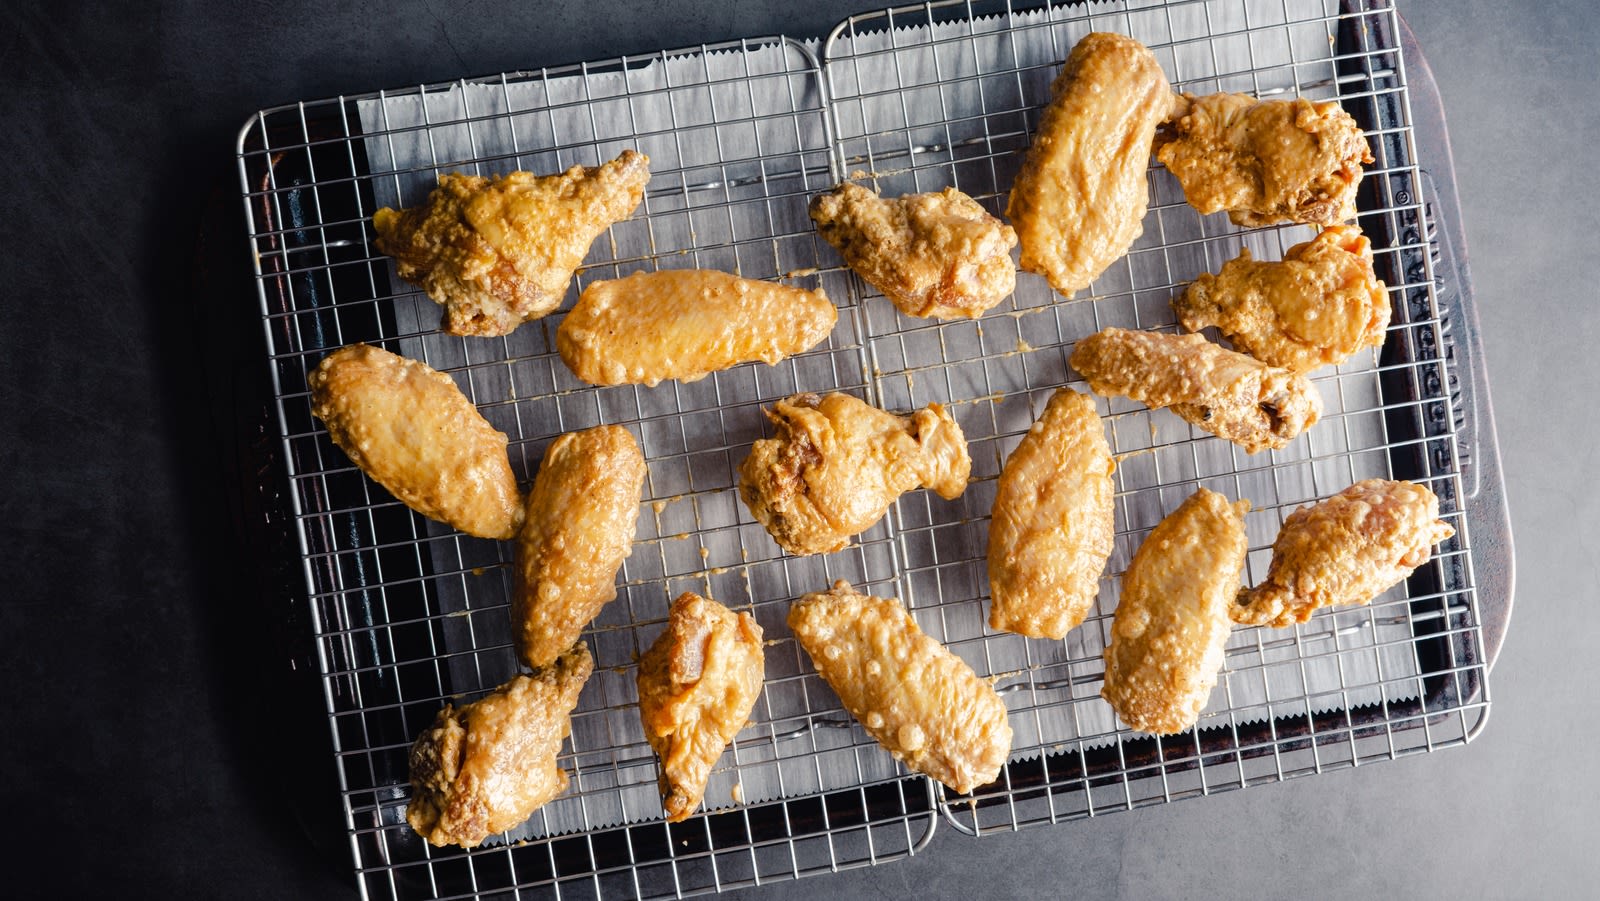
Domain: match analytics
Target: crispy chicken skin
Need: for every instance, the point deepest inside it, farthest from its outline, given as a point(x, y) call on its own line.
point(1316, 307)
point(686, 323)
point(1079, 201)
point(1051, 531)
point(483, 768)
point(1226, 393)
point(836, 463)
point(1265, 161)
point(1347, 549)
point(938, 254)
point(921, 702)
point(697, 683)
point(1171, 623)
point(497, 252)
point(581, 517)
point(409, 428)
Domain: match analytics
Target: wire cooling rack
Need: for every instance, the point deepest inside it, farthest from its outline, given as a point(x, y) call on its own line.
point(409, 614)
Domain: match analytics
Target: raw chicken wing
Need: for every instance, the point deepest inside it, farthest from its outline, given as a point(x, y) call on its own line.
point(939, 254)
point(1265, 161)
point(686, 323)
point(500, 251)
point(924, 704)
point(1347, 549)
point(697, 684)
point(1171, 624)
point(1079, 201)
point(580, 524)
point(836, 463)
point(1051, 531)
point(1316, 307)
point(409, 428)
point(1226, 393)
point(483, 768)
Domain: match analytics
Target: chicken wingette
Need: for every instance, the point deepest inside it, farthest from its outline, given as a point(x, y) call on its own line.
point(1054, 517)
point(411, 430)
point(1079, 201)
point(1171, 622)
point(918, 700)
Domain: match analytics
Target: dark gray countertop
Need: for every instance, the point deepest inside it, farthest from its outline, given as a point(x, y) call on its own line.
point(152, 752)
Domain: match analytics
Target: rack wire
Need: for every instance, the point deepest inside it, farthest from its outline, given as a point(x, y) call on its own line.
point(409, 614)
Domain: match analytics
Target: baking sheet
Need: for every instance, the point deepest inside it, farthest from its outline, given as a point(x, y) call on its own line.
point(738, 140)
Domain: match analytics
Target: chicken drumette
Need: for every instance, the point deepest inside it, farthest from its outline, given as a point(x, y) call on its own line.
point(1265, 161)
point(1226, 393)
point(939, 254)
point(1347, 549)
point(1051, 531)
point(1171, 623)
point(919, 701)
point(1316, 307)
point(483, 768)
point(500, 251)
point(697, 683)
point(836, 463)
point(1079, 201)
point(685, 324)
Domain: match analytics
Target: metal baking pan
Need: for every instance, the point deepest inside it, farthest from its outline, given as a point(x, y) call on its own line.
point(404, 614)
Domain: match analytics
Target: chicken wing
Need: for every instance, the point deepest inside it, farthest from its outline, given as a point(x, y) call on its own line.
point(1051, 531)
point(1171, 623)
point(1079, 201)
point(1265, 161)
point(924, 704)
point(686, 323)
point(1317, 307)
point(580, 524)
point(497, 252)
point(836, 463)
point(697, 684)
point(1347, 549)
point(483, 768)
point(939, 254)
point(1224, 392)
point(409, 428)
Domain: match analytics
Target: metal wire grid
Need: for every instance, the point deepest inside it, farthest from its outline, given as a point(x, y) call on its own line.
point(979, 101)
point(393, 642)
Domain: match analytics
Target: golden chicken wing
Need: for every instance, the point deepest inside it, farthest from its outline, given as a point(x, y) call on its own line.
point(697, 683)
point(497, 252)
point(924, 704)
point(485, 767)
point(1226, 393)
point(685, 324)
point(1265, 161)
point(1316, 307)
point(1051, 531)
point(580, 524)
point(1347, 549)
point(836, 463)
point(1171, 623)
point(938, 254)
point(409, 428)
point(1079, 201)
